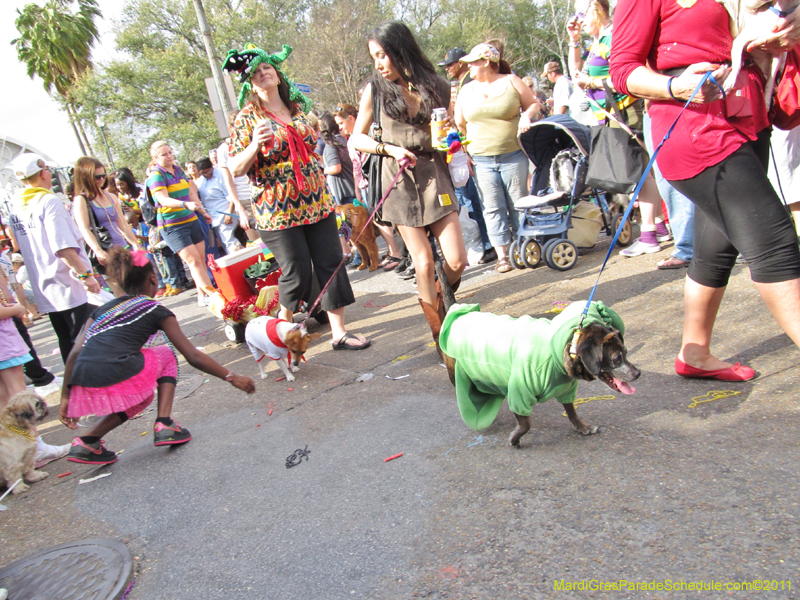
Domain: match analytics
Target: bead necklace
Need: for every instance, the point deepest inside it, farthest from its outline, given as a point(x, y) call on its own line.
point(125, 313)
point(3, 299)
point(22, 432)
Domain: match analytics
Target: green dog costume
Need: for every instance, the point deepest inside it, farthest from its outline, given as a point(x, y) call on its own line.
point(521, 359)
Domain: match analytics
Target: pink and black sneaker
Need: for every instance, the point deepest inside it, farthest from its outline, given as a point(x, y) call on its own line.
point(90, 454)
point(167, 435)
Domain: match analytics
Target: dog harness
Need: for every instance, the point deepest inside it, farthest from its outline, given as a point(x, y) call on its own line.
point(522, 360)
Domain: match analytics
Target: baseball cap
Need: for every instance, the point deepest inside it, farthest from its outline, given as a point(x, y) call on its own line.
point(17, 257)
point(452, 56)
point(480, 52)
point(550, 67)
point(27, 165)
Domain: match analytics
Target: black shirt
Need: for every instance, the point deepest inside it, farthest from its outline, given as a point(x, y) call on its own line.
point(114, 355)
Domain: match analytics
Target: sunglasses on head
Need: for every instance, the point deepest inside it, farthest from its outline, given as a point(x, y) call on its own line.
point(101, 176)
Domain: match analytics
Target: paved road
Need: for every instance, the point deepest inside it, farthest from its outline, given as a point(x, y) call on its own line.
point(677, 486)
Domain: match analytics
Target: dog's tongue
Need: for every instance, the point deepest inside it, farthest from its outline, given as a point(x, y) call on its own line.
point(624, 387)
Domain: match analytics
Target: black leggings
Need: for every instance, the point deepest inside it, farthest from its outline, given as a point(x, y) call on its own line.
point(298, 248)
point(739, 211)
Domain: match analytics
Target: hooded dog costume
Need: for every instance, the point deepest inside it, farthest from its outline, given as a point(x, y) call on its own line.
point(522, 359)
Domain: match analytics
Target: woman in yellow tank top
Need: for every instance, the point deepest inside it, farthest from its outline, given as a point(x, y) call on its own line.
point(491, 110)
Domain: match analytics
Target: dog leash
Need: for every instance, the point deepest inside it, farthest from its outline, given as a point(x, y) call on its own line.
point(708, 76)
point(404, 164)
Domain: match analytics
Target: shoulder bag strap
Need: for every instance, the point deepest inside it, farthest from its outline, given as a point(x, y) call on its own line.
point(376, 114)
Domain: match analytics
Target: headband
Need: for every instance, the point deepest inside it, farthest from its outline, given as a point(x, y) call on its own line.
point(245, 62)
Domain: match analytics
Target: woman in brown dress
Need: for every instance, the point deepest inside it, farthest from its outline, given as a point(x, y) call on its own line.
point(423, 200)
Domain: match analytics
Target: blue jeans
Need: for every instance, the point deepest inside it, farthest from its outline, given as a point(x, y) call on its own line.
point(502, 180)
point(468, 196)
point(679, 208)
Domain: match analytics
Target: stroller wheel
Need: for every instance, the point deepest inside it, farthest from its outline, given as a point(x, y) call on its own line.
point(625, 235)
point(514, 255)
point(530, 253)
point(545, 251)
point(562, 255)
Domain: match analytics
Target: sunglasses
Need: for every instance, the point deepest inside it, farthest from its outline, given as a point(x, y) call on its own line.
point(579, 16)
point(100, 177)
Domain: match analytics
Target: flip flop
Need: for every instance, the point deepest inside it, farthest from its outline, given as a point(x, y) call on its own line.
point(391, 262)
point(343, 345)
point(671, 263)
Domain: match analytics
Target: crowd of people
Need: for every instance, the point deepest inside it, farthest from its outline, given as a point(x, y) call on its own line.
point(284, 169)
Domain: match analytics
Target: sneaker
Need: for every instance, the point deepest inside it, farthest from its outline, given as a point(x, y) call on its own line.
point(45, 453)
point(90, 454)
point(160, 292)
point(489, 256)
point(53, 386)
point(409, 273)
point(166, 435)
point(638, 248)
point(405, 262)
point(173, 291)
point(667, 237)
point(202, 300)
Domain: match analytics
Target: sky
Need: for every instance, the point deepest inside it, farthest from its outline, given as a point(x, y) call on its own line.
point(27, 113)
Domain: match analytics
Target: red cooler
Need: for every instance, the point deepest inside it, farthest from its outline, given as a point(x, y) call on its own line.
point(229, 273)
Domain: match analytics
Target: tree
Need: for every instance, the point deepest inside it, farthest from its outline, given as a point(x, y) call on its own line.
point(55, 44)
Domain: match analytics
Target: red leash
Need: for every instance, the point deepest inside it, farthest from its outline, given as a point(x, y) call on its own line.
point(404, 164)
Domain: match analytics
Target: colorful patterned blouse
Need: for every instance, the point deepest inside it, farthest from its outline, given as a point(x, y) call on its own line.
point(280, 201)
point(596, 67)
point(177, 186)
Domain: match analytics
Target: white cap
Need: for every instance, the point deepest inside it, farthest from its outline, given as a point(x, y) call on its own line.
point(17, 257)
point(27, 165)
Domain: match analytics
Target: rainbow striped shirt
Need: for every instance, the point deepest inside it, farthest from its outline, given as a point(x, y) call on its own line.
point(177, 187)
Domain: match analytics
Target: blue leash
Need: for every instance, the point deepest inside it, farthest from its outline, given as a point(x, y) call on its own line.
point(639, 185)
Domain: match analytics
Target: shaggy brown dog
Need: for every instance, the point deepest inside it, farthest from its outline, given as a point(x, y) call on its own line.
point(357, 217)
point(18, 440)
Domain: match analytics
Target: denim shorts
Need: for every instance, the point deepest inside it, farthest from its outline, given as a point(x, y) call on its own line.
point(181, 236)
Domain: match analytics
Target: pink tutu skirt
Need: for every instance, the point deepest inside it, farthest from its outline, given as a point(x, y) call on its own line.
point(131, 396)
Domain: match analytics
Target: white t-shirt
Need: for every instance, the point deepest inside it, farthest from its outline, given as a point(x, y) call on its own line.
point(242, 183)
point(562, 90)
point(42, 229)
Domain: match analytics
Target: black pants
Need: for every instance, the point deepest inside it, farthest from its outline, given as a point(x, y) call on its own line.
point(68, 324)
point(299, 248)
point(739, 211)
point(34, 370)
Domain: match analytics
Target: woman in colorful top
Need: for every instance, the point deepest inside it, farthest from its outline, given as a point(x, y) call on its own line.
point(407, 90)
point(110, 373)
point(273, 143)
point(178, 202)
point(129, 191)
point(492, 109)
point(106, 212)
point(589, 71)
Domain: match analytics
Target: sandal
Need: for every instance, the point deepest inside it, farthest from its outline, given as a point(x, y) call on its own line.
point(671, 263)
point(503, 266)
point(391, 262)
point(343, 345)
point(384, 259)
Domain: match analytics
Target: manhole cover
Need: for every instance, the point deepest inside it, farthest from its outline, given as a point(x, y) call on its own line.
point(89, 570)
point(187, 386)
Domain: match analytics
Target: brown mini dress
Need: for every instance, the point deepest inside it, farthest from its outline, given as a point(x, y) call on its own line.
point(424, 193)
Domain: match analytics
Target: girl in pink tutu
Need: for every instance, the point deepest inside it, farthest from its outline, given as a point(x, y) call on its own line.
point(110, 373)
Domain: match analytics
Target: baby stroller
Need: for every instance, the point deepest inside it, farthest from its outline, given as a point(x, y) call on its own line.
point(562, 213)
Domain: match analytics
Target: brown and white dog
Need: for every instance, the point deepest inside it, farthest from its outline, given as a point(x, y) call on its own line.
point(18, 440)
point(760, 18)
point(276, 338)
point(357, 217)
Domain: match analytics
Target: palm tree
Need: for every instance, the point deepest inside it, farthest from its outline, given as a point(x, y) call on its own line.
point(56, 45)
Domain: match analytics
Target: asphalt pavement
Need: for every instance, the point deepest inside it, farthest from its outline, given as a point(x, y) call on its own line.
point(688, 481)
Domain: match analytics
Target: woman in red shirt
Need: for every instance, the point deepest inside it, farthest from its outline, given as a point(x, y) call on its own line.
point(717, 157)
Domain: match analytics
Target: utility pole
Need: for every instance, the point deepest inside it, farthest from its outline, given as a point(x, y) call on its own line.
point(213, 60)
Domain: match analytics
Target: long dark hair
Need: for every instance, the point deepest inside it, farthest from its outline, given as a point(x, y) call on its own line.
point(401, 47)
point(283, 92)
point(329, 129)
point(126, 175)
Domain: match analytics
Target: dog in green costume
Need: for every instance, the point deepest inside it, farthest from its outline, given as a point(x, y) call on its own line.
point(527, 361)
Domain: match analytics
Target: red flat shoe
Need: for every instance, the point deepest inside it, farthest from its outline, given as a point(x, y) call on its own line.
point(737, 372)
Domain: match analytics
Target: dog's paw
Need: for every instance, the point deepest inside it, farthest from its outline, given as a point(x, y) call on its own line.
point(513, 439)
point(363, 266)
point(294, 369)
point(34, 476)
point(264, 376)
point(589, 429)
point(289, 377)
point(21, 487)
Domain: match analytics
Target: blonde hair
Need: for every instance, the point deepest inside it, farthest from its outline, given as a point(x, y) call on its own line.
point(155, 146)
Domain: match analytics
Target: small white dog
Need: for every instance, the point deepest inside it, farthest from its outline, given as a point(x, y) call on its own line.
point(276, 338)
point(760, 18)
point(18, 440)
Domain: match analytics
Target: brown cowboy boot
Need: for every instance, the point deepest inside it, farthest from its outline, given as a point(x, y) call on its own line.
point(434, 318)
